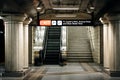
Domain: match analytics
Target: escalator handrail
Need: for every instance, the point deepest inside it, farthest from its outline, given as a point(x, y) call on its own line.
point(45, 43)
point(60, 54)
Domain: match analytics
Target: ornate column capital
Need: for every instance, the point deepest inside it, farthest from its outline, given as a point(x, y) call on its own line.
point(104, 20)
point(15, 17)
point(27, 21)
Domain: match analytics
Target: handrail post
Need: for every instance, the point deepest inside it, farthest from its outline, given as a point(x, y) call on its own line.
point(63, 47)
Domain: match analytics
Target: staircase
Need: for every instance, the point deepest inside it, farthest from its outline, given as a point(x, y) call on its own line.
point(78, 45)
point(52, 45)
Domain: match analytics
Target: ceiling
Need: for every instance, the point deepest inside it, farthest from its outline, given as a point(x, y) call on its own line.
point(59, 9)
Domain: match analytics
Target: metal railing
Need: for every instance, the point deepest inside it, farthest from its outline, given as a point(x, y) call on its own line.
point(60, 54)
point(45, 44)
point(91, 38)
point(63, 44)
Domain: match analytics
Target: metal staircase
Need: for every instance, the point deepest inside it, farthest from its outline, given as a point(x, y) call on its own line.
point(52, 47)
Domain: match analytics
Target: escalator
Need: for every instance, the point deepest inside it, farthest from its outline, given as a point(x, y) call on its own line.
point(52, 46)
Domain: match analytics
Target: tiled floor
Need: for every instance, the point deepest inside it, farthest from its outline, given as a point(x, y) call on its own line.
point(71, 71)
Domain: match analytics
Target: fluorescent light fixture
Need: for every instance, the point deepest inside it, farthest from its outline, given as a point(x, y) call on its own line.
point(65, 15)
point(39, 8)
point(1, 17)
point(65, 8)
point(92, 8)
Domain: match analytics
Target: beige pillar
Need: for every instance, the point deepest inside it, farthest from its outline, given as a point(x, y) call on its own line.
point(14, 43)
point(26, 41)
point(106, 39)
point(114, 44)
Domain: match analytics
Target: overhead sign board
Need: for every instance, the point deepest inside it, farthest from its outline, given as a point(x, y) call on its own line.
point(66, 23)
point(45, 23)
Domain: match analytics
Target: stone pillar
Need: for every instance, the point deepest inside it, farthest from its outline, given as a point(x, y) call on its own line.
point(114, 41)
point(26, 41)
point(106, 39)
point(14, 43)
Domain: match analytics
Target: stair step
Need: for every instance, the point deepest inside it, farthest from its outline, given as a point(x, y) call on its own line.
point(80, 60)
point(51, 44)
point(54, 32)
point(53, 40)
point(53, 48)
point(79, 50)
point(52, 57)
point(54, 37)
point(79, 55)
point(53, 51)
point(51, 62)
point(79, 45)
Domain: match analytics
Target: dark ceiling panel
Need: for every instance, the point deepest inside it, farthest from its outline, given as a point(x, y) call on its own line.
point(83, 5)
point(47, 4)
point(109, 6)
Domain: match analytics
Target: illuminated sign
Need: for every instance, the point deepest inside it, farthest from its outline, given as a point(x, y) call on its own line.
point(45, 22)
point(66, 23)
point(77, 23)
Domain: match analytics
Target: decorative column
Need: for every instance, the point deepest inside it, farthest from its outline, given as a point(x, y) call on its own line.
point(114, 41)
point(106, 38)
point(26, 41)
point(14, 43)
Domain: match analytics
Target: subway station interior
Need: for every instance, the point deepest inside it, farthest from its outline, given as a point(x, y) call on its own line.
point(59, 39)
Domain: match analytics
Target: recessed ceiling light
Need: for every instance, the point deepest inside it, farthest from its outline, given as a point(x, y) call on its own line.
point(66, 8)
point(66, 15)
point(1, 17)
point(39, 8)
point(92, 8)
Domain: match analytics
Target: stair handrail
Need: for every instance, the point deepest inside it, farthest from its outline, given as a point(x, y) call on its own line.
point(90, 38)
point(63, 44)
point(45, 43)
point(60, 54)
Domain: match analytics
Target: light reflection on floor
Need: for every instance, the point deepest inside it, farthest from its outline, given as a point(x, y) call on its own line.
point(71, 71)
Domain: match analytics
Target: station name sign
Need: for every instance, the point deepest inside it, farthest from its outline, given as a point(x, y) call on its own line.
point(66, 23)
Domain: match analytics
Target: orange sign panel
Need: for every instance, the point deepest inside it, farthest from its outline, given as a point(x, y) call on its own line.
point(45, 22)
